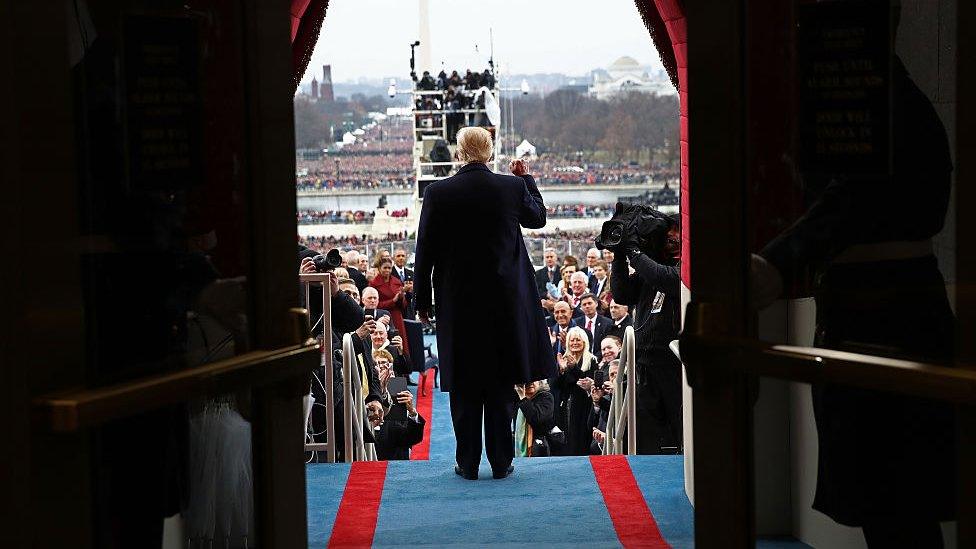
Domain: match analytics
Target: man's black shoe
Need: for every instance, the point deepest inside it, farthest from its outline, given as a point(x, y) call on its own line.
point(503, 474)
point(465, 475)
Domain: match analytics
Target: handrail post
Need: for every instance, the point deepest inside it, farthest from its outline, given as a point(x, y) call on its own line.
point(631, 390)
point(348, 355)
point(330, 448)
point(325, 359)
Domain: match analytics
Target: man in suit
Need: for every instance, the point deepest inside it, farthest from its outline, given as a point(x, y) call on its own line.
point(394, 346)
point(620, 315)
point(352, 264)
point(548, 273)
point(492, 209)
point(405, 275)
point(371, 300)
point(595, 324)
point(599, 278)
point(577, 288)
point(564, 321)
point(592, 256)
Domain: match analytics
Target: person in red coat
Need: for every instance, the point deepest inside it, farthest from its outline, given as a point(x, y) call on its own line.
point(392, 296)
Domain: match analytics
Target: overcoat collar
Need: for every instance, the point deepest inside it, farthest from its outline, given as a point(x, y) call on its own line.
point(473, 166)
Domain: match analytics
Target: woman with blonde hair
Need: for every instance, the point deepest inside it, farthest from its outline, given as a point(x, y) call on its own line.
point(575, 380)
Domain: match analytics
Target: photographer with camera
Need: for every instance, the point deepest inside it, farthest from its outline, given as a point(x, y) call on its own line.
point(347, 316)
point(650, 242)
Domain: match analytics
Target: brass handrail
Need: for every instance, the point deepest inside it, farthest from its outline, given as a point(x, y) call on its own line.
point(75, 409)
point(814, 365)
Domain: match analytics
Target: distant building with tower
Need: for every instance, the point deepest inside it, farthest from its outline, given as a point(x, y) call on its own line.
point(325, 92)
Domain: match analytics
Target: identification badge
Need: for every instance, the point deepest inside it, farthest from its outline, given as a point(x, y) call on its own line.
point(658, 303)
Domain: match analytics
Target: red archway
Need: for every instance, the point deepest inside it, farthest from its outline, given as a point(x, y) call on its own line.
point(665, 20)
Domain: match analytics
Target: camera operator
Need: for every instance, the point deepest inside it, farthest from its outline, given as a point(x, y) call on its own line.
point(650, 243)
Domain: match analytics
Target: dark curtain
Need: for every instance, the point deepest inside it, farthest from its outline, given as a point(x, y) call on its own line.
point(665, 20)
point(306, 22)
point(659, 35)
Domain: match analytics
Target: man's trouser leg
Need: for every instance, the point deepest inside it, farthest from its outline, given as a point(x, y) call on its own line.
point(466, 412)
point(666, 370)
point(499, 442)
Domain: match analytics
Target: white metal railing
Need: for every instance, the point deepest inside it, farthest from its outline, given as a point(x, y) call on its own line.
point(622, 421)
point(354, 416)
point(357, 449)
point(328, 384)
point(420, 165)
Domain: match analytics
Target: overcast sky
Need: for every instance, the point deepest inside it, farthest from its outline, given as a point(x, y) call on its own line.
point(370, 38)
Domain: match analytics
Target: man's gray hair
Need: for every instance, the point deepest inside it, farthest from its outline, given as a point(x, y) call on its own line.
point(474, 144)
point(578, 274)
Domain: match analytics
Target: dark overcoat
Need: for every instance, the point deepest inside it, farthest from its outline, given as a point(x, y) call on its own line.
point(490, 328)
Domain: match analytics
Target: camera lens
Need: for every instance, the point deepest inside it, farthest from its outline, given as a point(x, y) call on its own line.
point(612, 233)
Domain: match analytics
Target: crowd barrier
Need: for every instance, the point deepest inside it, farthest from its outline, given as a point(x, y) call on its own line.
point(622, 421)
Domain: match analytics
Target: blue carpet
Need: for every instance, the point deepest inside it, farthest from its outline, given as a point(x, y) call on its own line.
point(549, 502)
point(430, 505)
point(324, 484)
point(662, 482)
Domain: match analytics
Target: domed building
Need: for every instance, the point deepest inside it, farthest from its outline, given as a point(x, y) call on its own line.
point(626, 75)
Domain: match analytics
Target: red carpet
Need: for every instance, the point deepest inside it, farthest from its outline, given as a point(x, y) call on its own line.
point(425, 407)
point(631, 517)
point(355, 522)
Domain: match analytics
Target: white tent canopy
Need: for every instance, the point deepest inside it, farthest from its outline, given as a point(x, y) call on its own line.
point(524, 149)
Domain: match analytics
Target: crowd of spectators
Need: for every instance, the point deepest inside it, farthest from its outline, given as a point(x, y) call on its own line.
point(368, 304)
point(564, 235)
point(456, 94)
point(563, 211)
point(379, 159)
point(568, 169)
point(316, 217)
point(586, 331)
point(443, 81)
point(390, 136)
point(565, 415)
point(322, 244)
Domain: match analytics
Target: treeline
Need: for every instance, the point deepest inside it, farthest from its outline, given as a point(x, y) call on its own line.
point(628, 126)
point(315, 119)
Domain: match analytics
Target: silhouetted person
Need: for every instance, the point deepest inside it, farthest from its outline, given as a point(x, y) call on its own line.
point(441, 153)
point(427, 82)
point(886, 461)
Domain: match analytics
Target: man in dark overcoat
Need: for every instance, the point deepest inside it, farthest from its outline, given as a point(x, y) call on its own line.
point(489, 344)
